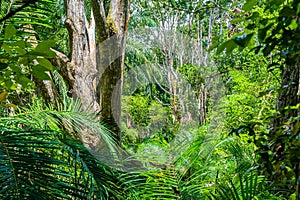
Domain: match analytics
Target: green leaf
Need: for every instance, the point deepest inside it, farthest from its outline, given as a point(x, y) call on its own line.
point(40, 74)
point(40, 68)
point(21, 51)
point(230, 46)
point(45, 45)
point(9, 31)
point(248, 5)
point(213, 46)
point(6, 48)
point(20, 44)
point(45, 63)
point(43, 49)
point(46, 54)
point(262, 34)
point(293, 25)
point(15, 68)
point(8, 83)
point(23, 60)
point(222, 47)
point(24, 81)
point(237, 20)
point(3, 66)
point(243, 40)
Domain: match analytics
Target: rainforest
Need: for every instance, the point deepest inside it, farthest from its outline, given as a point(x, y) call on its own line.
point(150, 99)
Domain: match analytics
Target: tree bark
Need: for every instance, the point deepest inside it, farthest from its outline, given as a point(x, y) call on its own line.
point(95, 73)
point(284, 126)
point(111, 33)
point(288, 97)
point(83, 54)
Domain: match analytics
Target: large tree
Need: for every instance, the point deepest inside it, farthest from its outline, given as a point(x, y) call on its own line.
point(97, 82)
point(94, 70)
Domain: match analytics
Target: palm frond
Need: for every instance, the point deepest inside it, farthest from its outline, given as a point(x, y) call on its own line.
point(154, 184)
point(34, 11)
point(41, 164)
point(68, 118)
point(245, 186)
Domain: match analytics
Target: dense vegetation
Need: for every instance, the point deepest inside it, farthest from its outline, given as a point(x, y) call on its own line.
point(210, 95)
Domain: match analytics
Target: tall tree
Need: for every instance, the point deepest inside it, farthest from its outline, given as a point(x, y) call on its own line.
point(96, 81)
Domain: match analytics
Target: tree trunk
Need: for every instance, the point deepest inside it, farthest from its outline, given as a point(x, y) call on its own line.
point(95, 73)
point(82, 66)
point(111, 32)
point(286, 126)
point(288, 97)
point(83, 54)
point(202, 101)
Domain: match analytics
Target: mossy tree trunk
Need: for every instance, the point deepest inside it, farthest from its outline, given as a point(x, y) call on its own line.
point(286, 128)
point(111, 32)
point(95, 72)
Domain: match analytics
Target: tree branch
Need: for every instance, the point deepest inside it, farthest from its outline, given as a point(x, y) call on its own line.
point(100, 20)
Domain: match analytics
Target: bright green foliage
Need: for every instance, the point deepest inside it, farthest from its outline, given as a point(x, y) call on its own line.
point(251, 91)
point(144, 124)
point(271, 28)
point(19, 59)
point(193, 75)
point(139, 111)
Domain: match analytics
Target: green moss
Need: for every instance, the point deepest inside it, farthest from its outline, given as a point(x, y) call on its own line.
point(111, 24)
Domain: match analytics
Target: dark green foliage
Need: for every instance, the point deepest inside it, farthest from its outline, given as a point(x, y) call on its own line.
point(245, 186)
point(205, 170)
point(45, 164)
